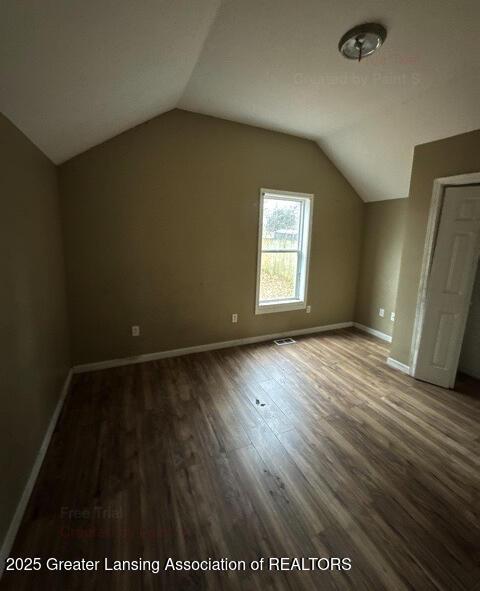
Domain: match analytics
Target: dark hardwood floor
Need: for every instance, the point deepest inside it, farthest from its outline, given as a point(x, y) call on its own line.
point(316, 449)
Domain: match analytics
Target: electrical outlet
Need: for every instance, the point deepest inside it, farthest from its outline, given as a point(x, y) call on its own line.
point(381, 312)
point(135, 331)
point(392, 316)
point(308, 309)
point(234, 318)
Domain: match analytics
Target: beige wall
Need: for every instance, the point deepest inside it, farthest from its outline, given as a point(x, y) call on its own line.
point(33, 346)
point(161, 231)
point(455, 155)
point(380, 263)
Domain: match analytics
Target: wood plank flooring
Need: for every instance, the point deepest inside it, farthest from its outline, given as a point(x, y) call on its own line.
point(316, 449)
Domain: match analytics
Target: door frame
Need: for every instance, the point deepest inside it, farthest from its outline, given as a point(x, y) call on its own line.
point(436, 202)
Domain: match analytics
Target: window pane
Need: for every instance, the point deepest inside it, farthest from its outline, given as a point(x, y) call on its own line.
point(281, 223)
point(278, 275)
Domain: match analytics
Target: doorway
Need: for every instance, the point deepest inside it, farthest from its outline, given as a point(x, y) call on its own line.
point(449, 268)
point(468, 374)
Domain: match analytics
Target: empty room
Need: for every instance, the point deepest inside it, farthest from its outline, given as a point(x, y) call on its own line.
point(240, 295)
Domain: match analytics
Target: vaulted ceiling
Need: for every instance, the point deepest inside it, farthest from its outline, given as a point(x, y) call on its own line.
point(75, 73)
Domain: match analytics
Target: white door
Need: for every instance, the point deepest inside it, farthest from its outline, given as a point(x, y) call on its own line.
point(450, 285)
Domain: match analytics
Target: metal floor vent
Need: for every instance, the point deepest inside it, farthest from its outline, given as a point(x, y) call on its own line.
point(287, 341)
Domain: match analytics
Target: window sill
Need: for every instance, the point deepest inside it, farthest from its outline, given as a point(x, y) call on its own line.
point(285, 306)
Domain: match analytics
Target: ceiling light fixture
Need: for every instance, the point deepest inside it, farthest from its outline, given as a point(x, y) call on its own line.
point(362, 41)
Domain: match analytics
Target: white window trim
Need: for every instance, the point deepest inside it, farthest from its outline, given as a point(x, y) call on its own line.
point(290, 304)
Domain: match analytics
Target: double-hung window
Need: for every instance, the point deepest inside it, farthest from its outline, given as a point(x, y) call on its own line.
point(283, 251)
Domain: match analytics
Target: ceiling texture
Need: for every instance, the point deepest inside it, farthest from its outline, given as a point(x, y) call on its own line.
point(74, 73)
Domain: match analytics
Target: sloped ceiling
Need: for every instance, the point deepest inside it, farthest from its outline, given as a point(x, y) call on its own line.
point(75, 73)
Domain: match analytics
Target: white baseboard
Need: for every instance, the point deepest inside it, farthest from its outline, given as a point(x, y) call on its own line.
point(397, 365)
point(27, 491)
point(208, 347)
point(374, 332)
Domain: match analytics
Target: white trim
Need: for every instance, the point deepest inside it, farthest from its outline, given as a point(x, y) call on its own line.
point(304, 261)
point(436, 203)
point(27, 491)
point(200, 348)
point(397, 365)
point(286, 194)
point(285, 306)
point(373, 331)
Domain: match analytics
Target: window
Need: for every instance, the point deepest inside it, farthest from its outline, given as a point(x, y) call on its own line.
point(283, 251)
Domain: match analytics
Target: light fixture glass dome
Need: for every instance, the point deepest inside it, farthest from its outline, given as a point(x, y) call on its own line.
point(362, 41)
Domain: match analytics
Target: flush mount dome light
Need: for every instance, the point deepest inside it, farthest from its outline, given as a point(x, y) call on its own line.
point(362, 41)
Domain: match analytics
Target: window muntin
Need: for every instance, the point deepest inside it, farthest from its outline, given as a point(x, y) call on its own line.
point(283, 252)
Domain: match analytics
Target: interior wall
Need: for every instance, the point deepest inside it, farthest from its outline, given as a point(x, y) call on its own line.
point(161, 231)
point(459, 154)
point(470, 355)
point(34, 342)
point(380, 263)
